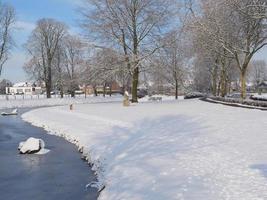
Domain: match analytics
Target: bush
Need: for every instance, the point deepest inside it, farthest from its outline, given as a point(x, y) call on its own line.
point(247, 102)
point(193, 95)
point(258, 98)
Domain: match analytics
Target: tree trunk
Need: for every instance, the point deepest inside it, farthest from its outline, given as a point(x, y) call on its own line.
point(61, 91)
point(95, 91)
point(85, 92)
point(219, 89)
point(104, 90)
point(223, 89)
point(48, 89)
point(135, 53)
point(243, 84)
point(110, 90)
point(135, 85)
point(49, 80)
point(72, 93)
point(176, 89)
point(214, 81)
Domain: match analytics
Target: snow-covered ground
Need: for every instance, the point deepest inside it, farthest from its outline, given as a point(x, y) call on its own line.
point(185, 150)
point(35, 102)
point(260, 97)
point(163, 97)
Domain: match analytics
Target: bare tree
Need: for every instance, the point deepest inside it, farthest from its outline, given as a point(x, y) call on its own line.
point(171, 60)
point(7, 20)
point(257, 7)
point(104, 68)
point(73, 55)
point(59, 66)
point(43, 45)
point(130, 25)
point(3, 84)
point(214, 60)
point(258, 72)
point(235, 30)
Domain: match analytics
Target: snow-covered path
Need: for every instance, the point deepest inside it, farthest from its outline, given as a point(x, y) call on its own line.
point(172, 150)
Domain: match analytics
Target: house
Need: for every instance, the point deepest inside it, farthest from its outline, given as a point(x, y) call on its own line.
point(262, 87)
point(113, 87)
point(24, 88)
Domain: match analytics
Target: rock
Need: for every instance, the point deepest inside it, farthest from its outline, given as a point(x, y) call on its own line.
point(80, 149)
point(20, 145)
point(31, 145)
point(83, 157)
point(14, 112)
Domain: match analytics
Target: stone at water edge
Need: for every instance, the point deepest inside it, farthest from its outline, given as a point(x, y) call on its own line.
point(31, 145)
point(20, 145)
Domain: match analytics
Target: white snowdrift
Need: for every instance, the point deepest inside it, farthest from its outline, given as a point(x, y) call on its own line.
point(260, 97)
point(32, 145)
point(189, 150)
point(14, 112)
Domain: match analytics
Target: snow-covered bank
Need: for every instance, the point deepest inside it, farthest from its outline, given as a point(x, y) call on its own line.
point(30, 103)
point(171, 150)
point(262, 97)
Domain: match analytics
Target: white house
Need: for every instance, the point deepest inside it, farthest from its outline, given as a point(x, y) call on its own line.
point(24, 88)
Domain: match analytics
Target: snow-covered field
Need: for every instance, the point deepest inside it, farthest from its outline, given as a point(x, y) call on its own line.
point(260, 97)
point(185, 150)
point(35, 102)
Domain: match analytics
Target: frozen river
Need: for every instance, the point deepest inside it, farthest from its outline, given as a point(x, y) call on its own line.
point(60, 174)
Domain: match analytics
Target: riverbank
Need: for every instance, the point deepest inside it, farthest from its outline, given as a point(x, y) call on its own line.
point(59, 174)
point(35, 102)
point(185, 149)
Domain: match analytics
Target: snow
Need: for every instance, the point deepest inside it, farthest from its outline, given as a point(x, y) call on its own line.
point(126, 93)
point(185, 149)
point(30, 103)
point(164, 98)
point(43, 151)
point(30, 145)
point(33, 145)
point(22, 84)
point(260, 97)
point(14, 112)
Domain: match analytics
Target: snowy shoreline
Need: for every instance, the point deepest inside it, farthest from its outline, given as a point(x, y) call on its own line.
point(80, 148)
point(169, 150)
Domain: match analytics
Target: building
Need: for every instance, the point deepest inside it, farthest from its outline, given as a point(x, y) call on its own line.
point(114, 88)
point(24, 88)
point(262, 87)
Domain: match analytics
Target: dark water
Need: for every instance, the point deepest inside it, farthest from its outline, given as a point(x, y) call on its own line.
point(60, 174)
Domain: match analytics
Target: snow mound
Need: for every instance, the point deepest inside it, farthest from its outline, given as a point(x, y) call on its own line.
point(258, 97)
point(14, 112)
point(32, 145)
point(193, 95)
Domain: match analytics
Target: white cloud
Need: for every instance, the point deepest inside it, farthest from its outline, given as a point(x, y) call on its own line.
point(72, 2)
point(25, 26)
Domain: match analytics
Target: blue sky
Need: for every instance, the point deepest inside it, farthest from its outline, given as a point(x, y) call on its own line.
point(28, 12)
